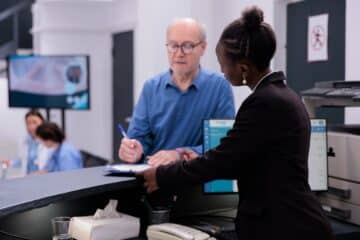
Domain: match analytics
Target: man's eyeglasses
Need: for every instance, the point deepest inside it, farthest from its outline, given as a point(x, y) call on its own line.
point(186, 47)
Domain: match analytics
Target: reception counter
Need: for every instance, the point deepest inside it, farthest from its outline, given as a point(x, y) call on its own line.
point(28, 204)
point(36, 199)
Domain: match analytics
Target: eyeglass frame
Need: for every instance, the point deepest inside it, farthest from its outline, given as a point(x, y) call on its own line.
point(181, 47)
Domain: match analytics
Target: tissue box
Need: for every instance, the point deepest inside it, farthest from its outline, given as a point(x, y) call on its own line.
point(88, 228)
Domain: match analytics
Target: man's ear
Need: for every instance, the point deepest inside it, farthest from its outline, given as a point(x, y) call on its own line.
point(203, 46)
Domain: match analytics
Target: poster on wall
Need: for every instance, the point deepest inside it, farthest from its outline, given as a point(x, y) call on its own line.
point(318, 38)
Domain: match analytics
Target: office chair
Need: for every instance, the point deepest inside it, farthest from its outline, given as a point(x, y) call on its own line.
point(91, 160)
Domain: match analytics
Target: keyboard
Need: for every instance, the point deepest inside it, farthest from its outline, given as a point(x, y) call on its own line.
point(226, 235)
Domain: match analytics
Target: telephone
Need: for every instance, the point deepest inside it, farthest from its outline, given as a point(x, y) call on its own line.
point(171, 231)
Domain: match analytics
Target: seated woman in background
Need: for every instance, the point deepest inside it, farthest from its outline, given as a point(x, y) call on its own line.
point(32, 156)
point(65, 156)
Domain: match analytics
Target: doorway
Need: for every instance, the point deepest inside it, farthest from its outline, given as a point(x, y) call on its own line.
point(123, 86)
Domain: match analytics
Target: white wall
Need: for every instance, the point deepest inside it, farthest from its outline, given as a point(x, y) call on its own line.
point(12, 126)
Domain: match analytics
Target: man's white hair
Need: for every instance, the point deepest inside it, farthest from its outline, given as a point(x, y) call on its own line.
point(201, 26)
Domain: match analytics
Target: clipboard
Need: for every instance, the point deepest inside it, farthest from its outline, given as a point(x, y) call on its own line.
point(125, 169)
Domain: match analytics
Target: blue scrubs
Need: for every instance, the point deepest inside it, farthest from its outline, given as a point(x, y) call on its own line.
point(65, 157)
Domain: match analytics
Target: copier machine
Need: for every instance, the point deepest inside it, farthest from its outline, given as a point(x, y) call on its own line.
point(342, 200)
point(343, 197)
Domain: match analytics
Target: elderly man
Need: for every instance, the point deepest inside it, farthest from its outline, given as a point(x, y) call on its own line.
point(168, 116)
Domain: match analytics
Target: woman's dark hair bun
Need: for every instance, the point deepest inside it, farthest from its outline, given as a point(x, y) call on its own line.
point(252, 18)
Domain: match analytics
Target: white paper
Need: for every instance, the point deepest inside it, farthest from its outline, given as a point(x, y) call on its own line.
point(318, 38)
point(127, 168)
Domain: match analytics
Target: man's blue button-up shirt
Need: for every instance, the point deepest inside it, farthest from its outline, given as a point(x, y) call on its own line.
point(167, 118)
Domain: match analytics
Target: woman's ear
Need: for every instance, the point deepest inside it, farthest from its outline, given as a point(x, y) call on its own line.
point(244, 68)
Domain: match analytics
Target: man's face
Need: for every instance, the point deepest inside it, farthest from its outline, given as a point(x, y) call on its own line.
point(183, 34)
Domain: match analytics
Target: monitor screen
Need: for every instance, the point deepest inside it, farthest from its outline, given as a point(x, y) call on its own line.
point(215, 129)
point(317, 162)
point(49, 81)
point(192, 200)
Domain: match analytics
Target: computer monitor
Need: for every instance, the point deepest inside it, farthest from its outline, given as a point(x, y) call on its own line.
point(215, 129)
point(38, 81)
point(318, 161)
point(192, 200)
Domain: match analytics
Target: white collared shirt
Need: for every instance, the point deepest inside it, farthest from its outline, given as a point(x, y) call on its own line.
point(261, 81)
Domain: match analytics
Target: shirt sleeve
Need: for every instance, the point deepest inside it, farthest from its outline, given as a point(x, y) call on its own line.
point(69, 159)
point(51, 163)
point(225, 107)
point(139, 127)
point(16, 163)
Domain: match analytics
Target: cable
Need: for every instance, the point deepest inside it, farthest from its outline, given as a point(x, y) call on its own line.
point(13, 235)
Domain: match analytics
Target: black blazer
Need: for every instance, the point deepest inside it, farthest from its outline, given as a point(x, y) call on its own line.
point(266, 151)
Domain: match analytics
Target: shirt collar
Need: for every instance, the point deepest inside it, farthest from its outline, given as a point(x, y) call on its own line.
point(196, 83)
point(31, 140)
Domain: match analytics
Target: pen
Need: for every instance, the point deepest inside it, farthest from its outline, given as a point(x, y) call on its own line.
point(122, 131)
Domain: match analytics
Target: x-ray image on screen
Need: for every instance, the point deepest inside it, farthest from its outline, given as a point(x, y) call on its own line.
point(49, 81)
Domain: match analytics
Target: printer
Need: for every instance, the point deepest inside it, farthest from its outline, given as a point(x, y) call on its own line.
point(342, 200)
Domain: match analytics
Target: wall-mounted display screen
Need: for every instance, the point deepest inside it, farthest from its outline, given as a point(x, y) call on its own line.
point(49, 81)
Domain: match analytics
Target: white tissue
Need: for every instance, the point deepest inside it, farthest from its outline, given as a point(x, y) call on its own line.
point(106, 224)
point(108, 212)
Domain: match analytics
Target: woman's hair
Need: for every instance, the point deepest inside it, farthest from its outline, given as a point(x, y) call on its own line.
point(249, 37)
point(34, 112)
point(50, 131)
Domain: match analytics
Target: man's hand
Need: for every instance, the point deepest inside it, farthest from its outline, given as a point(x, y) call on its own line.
point(149, 177)
point(187, 154)
point(163, 157)
point(130, 150)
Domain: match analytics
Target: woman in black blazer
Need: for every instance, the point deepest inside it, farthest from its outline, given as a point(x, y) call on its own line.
point(267, 148)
